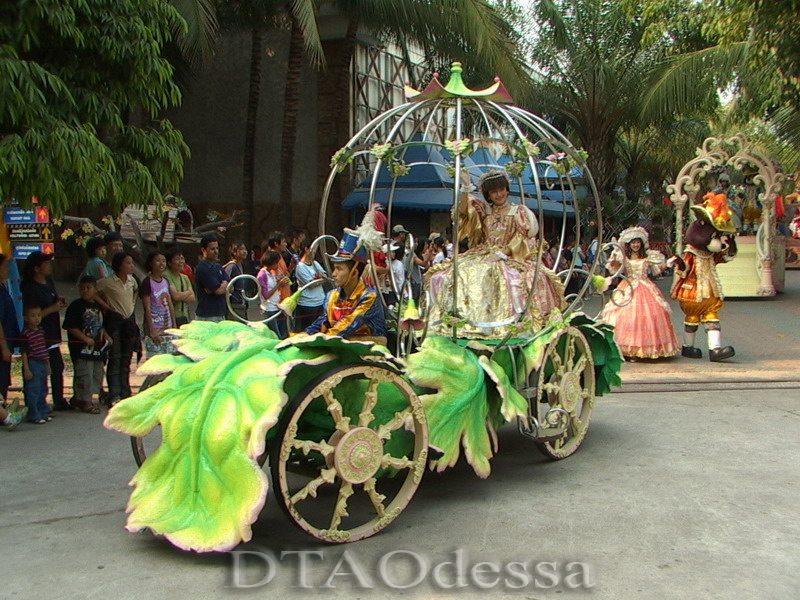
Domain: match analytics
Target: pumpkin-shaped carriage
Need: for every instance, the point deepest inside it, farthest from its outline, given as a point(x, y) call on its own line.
point(347, 427)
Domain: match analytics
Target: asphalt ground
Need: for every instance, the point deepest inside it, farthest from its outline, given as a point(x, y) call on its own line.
point(674, 494)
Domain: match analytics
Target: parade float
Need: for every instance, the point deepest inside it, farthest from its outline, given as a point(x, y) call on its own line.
point(759, 268)
point(345, 429)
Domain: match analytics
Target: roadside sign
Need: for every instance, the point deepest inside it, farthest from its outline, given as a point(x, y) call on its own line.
point(30, 232)
point(40, 214)
point(19, 215)
point(21, 251)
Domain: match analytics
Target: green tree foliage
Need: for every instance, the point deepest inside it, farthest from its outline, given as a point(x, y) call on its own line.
point(593, 66)
point(753, 52)
point(72, 77)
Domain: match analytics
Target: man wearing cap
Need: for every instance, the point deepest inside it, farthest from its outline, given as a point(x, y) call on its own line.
point(400, 234)
point(351, 310)
point(38, 289)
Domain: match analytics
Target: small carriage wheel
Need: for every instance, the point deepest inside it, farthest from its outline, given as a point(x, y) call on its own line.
point(350, 458)
point(137, 443)
point(565, 392)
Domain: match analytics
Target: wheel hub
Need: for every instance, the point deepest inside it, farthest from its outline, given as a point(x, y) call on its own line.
point(570, 393)
point(358, 455)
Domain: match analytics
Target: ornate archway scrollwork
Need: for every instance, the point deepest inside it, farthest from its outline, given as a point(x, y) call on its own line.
point(736, 152)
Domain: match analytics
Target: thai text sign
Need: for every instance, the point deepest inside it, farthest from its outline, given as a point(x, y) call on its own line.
point(21, 251)
point(40, 214)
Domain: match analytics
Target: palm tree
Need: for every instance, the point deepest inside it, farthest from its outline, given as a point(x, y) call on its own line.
point(754, 54)
point(593, 68)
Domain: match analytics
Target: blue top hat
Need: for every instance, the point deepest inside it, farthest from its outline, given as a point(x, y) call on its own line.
point(349, 249)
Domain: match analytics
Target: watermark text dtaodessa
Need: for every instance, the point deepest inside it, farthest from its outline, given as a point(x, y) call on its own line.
point(402, 569)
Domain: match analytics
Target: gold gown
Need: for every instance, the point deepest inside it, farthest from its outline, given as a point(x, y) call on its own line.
point(494, 277)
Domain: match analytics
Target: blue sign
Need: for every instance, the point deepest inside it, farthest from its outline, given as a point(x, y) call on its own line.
point(21, 251)
point(19, 215)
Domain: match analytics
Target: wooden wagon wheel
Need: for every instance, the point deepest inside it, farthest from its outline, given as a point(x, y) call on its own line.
point(329, 454)
point(565, 392)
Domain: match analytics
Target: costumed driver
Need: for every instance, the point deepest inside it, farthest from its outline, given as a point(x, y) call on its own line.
point(351, 310)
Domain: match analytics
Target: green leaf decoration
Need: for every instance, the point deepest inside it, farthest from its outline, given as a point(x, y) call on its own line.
point(512, 403)
point(457, 412)
point(201, 339)
point(533, 352)
point(345, 349)
point(607, 356)
point(163, 363)
point(202, 487)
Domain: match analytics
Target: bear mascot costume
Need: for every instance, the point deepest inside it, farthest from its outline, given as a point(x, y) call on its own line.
point(709, 241)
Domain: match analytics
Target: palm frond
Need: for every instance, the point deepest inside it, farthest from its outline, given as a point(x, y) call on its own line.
point(196, 36)
point(678, 85)
point(786, 123)
point(305, 13)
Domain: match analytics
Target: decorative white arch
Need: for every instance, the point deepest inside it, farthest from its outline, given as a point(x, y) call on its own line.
point(737, 152)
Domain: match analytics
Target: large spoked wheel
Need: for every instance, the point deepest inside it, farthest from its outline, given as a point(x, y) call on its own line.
point(142, 446)
point(344, 463)
point(565, 393)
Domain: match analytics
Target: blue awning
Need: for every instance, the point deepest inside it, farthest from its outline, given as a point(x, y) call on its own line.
point(441, 199)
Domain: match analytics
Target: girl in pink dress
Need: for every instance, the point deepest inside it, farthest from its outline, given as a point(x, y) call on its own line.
point(641, 315)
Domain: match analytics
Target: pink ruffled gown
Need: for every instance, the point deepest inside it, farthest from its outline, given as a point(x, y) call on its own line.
point(643, 327)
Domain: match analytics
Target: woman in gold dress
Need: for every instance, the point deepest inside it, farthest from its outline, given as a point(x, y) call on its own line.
point(497, 272)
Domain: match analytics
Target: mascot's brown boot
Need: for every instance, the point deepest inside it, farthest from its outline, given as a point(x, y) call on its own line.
point(718, 354)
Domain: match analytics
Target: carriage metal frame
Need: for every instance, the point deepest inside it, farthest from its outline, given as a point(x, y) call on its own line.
point(552, 368)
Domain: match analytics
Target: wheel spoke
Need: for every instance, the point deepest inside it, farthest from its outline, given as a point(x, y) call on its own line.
point(397, 463)
point(310, 489)
point(580, 365)
point(370, 399)
point(399, 419)
point(570, 351)
point(340, 509)
point(342, 423)
point(307, 446)
point(551, 387)
point(375, 497)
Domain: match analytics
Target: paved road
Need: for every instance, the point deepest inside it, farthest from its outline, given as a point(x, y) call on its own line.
point(764, 331)
point(674, 495)
point(688, 495)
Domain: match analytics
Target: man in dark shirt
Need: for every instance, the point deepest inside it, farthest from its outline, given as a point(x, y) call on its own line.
point(38, 289)
point(211, 282)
